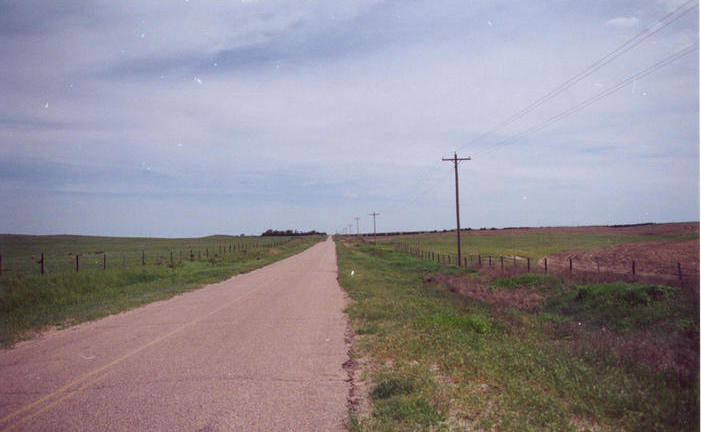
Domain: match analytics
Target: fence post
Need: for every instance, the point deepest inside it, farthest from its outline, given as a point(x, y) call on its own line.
point(598, 266)
point(124, 261)
point(679, 268)
point(528, 260)
point(465, 260)
point(479, 260)
point(77, 263)
point(633, 267)
point(490, 260)
point(514, 260)
point(104, 261)
point(545, 260)
point(42, 263)
point(0, 264)
point(570, 264)
point(502, 262)
point(206, 251)
point(143, 257)
point(171, 257)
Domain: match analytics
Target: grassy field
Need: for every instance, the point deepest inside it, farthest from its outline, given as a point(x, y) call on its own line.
point(21, 253)
point(30, 302)
point(531, 244)
point(612, 356)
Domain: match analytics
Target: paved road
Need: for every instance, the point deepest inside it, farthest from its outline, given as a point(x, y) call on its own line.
point(261, 351)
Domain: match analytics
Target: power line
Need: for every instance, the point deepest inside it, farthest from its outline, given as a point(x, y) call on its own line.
point(628, 45)
point(587, 102)
point(598, 64)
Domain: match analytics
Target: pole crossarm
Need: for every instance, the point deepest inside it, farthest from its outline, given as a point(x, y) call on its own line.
point(455, 159)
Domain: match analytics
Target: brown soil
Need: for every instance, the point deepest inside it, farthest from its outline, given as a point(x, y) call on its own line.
point(658, 258)
point(647, 229)
point(519, 298)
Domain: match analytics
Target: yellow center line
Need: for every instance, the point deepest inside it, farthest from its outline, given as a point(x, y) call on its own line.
point(105, 367)
point(56, 402)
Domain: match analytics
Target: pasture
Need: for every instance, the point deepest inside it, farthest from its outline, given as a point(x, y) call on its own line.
point(110, 275)
point(447, 348)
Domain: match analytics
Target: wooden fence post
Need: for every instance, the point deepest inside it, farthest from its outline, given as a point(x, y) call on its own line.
point(143, 257)
point(490, 260)
point(598, 266)
point(545, 260)
point(104, 261)
point(679, 270)
point(77, 263)
point(528, 260)
point(479, 260)
point(514, 260)
point(633, 267)
point(570, 264)
point(501, 258)
point(0, 264)
point(42, 263)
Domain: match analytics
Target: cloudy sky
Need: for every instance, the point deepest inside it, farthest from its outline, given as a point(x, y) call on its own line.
point(189, 118)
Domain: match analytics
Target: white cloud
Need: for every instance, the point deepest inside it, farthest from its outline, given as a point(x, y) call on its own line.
point(623, 22)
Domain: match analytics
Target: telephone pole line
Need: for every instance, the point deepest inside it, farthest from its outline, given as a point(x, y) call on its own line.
point(455, 159)
point(374, 226)
point(357, 225)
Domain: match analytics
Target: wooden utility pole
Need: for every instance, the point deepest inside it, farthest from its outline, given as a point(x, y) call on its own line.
point(455, 159)
point(374, 226)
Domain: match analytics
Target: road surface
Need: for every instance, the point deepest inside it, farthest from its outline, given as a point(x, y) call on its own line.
point(261, 351)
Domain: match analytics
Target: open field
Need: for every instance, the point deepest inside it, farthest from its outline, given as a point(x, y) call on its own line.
point(658, 249)
point(443, 348)
point(20, 253)
point(30, 302)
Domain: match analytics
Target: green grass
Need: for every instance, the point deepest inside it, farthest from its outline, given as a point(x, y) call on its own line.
point(624, 306)
point(532, 244)
point(20, 253)
point(30, 302)
point(445, 362)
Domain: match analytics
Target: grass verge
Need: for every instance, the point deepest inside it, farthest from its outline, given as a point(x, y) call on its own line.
point(30, 303)
point(441, 361)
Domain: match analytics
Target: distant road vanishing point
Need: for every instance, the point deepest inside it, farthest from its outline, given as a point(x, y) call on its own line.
point(260, 351)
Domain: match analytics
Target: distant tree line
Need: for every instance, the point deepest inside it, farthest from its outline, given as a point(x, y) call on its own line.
point(290, 233)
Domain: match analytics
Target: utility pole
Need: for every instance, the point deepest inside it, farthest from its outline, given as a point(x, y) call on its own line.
point(357, 225)
point(455, 159)
point(374, 226)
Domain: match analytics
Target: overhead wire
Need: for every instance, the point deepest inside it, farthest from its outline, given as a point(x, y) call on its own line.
point(585, 103)
point(625, 47)
point(628, 45)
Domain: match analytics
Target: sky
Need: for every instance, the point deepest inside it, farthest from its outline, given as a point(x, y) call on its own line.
point(191, 118)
